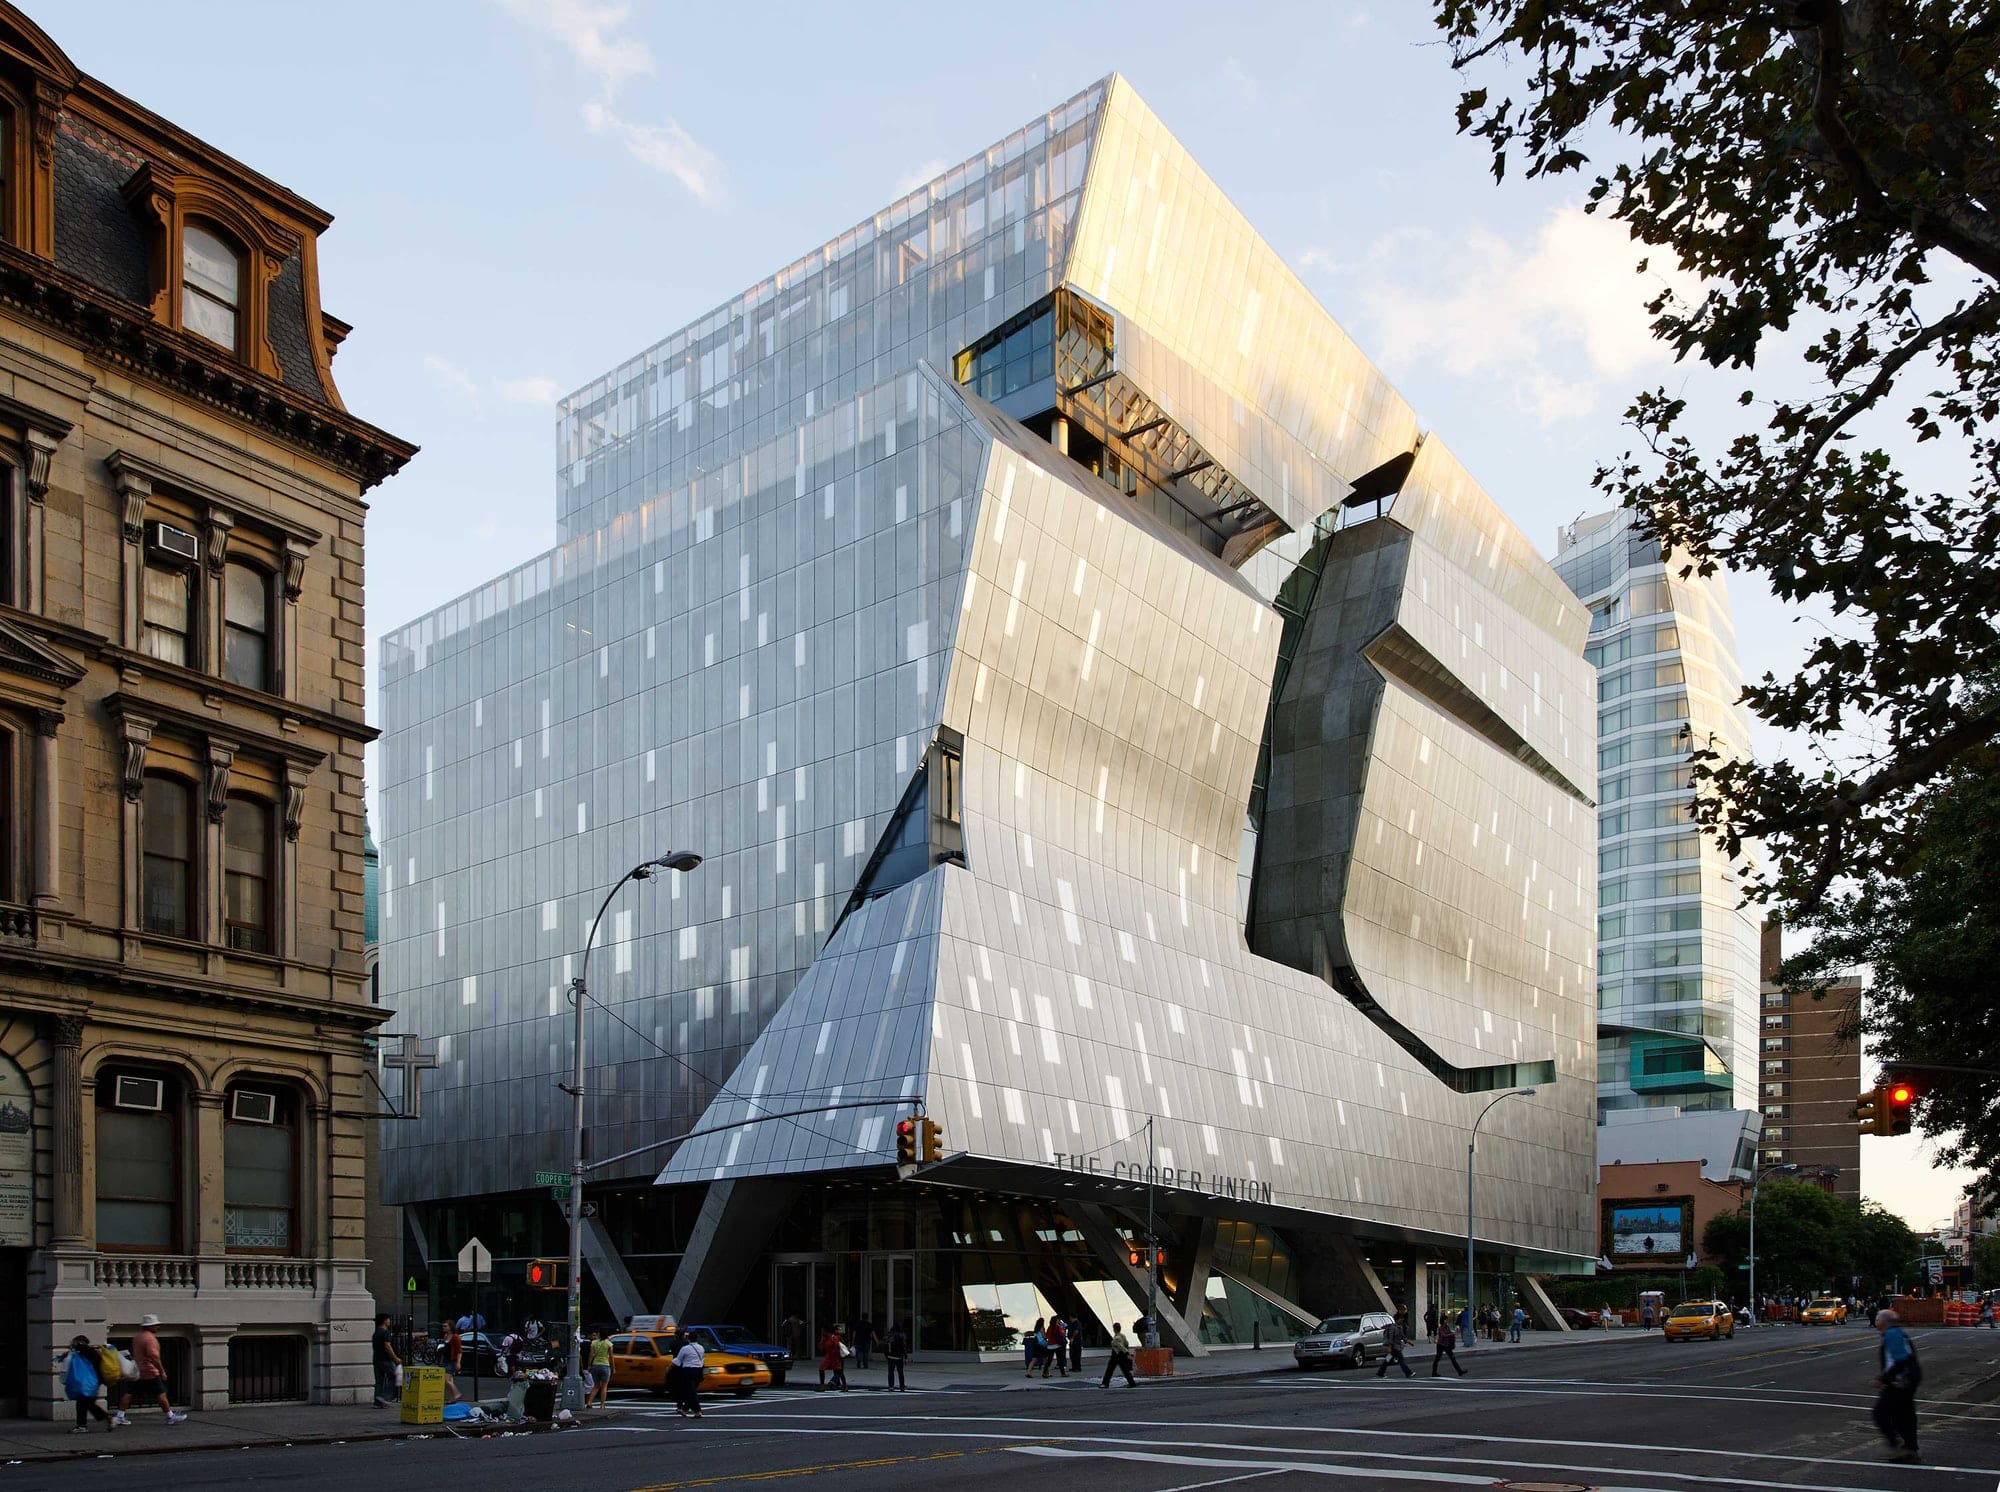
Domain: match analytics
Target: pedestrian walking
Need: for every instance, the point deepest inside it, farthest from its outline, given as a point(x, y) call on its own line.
point(386, 1363)
point(1032, 1345)
point(600, 1371)
point(1986, 1313)
point(149, 1378)
point(1898, 1377)
point(1058, 1354)
point(833, 1355)
point(1431, 1320)
point(1646, 1315)
point(1075, 1349)
point(864, 1340)
point(1393, 1337)
point(454, 1361)
point(1120, 1360)
point(81, 1382)
point(1447, 1345)
point(895, 1349)
point(1520, 1320)
point(689, 1361)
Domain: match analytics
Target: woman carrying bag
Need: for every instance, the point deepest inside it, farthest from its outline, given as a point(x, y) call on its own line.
point(81, 1383)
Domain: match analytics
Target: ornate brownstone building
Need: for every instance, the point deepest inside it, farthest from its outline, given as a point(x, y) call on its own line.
point(184, 1020)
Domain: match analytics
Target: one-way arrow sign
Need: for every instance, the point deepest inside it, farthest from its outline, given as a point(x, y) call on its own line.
point(474, 1262)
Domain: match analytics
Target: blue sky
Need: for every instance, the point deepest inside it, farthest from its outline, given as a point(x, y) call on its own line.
point(527, 191)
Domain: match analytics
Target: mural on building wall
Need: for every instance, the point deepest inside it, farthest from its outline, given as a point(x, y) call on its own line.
point(1659, 1229)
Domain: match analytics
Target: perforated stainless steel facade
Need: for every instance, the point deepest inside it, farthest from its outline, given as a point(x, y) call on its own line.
point(797, 558)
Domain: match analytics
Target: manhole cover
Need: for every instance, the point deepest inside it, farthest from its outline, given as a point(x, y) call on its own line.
point(1544, 1486)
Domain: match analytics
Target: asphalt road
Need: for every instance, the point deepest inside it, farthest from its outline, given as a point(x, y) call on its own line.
point(1782, 1407)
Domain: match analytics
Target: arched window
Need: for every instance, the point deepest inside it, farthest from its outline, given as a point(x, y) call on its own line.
point(246, 626)
point(211, 284)
point(138, 1160)
point(166, 872)
point(260, 1165)
point(246, 875)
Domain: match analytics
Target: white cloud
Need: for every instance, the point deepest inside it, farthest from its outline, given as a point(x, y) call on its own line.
point(454, 378)
point(474, 391)
point(1556, 321)
point(666, 148)
point(930, 170)
point(586, 29)
point(533, 390)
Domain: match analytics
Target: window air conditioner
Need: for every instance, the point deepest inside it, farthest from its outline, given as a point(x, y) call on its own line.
point(139, 1093)
point(252, 1106)
point(174, 543)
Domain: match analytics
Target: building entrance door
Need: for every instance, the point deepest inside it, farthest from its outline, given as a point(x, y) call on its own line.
point(802, 1304)
point(888, 1294)
point(13, 1333)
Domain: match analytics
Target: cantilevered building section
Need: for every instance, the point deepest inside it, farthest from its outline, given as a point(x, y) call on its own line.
point(1677, 961)
point(1111, 723)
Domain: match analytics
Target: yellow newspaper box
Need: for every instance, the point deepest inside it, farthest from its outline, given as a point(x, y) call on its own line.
point(423, 1396)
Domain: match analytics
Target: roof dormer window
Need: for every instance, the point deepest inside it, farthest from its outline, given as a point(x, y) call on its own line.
point(211, 283)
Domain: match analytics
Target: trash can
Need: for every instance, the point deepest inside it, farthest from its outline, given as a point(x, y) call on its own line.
point(423, 1396)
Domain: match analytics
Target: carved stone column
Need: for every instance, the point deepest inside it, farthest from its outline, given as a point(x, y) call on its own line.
point(47, 880)
point(134, 489)
point(40, 450)
point(65, 1035)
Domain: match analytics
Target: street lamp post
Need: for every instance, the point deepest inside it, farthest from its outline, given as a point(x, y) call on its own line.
point(572, 1388)
point(1784, 1168)
point(1471, 1146)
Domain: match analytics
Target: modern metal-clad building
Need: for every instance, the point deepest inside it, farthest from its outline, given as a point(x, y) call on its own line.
point(1677, 962)
point(1113, 727)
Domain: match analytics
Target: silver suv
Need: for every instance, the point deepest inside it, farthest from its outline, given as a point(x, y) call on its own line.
point(1346, 1341)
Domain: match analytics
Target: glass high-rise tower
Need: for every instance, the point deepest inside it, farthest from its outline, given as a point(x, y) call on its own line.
point(1677, 957)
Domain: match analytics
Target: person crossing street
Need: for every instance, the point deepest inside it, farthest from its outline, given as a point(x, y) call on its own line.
point(1447, 1346)
point(1393, 1337)
point(1120, 1359)
point(1895, 1412)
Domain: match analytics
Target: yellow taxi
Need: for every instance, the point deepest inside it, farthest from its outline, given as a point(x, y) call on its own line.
point(640, 1359)
point(1700, 1318)
point(1824, 1310)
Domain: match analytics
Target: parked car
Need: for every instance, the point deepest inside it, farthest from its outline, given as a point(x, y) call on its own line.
point(1577, 1320)
point(1824, 1310)
point(1347, 1341)
point(740, 1341)
point(640, 1359)
point(1692, 1319)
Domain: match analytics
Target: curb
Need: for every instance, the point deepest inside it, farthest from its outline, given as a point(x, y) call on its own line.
point(284, 1442)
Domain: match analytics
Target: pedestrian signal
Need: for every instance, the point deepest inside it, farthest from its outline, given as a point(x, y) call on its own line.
point(933, 1149)
point(906, 1141)
point(548, 1274)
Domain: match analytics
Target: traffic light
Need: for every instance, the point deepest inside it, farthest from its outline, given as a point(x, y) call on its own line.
point(906, 1141)
point(1893, 1109)
point(548, 1274)
point(933, 1141)
point(1868, 1112)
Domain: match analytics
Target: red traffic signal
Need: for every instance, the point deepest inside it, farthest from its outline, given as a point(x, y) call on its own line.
point(1900, 1096)
point(1901, 1093)
point(906, 1141)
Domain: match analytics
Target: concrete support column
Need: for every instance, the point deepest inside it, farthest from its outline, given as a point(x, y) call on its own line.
point(1059, 435)
point(728, 1236)
point(1104, 1240)
point(65, 1034)
point(1417, 1289)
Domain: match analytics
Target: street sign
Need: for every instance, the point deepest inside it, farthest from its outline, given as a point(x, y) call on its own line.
point(552, 1178)
point(1937, 1270)
point(474, 1262)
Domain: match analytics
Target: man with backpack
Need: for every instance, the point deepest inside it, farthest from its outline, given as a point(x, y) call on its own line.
point(1447, 1345)
point(1895, 1412)
point(895, 1349)
point(1393, 1337)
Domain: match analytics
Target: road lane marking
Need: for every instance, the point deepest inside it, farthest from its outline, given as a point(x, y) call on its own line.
point(1689, 1396)
point(1428, 1435)
point(1221, 1481)
point(1279, 1380)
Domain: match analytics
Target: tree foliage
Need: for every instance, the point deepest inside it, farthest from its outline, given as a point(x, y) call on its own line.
point(1828, 169)
point(1809, 1239)
point(1928, 927)
point(1986, 1262)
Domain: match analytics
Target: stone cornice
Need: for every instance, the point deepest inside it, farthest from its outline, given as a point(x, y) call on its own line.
point(128, 336)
